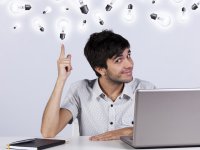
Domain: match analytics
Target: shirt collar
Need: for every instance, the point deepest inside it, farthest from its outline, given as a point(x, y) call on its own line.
point(127, 92)
point(97, 90)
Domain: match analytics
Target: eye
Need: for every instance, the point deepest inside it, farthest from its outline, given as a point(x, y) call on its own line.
point(118, 60)
point(129, 55)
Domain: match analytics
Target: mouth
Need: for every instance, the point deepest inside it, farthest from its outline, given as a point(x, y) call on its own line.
point(127, 72)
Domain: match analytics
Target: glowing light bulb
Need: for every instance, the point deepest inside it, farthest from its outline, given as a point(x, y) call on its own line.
point(83, 25)
point(38, 25)
point(100, 20)
point(64, 9)
point(84, 8)
point(62, 26)
point(16, 26)
point(84, 22)
point(129, 14)
point(162, 20)
point(195, 6)
point(47, 10)
point(17, 7)
point(183, 9)
point(184, 15)
point(109, 6)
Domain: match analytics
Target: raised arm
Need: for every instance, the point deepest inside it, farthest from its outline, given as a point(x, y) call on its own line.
point(54, 118)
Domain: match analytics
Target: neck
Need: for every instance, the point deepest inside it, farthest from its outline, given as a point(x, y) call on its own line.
point(110, 88)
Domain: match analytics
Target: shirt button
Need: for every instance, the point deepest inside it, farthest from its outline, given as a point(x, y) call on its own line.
point(111, 105)
point(111, 123)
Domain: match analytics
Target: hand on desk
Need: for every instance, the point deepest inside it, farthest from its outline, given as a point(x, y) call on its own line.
point(113, 135)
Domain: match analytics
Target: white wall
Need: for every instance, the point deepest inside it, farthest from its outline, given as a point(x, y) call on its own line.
point(167, 57)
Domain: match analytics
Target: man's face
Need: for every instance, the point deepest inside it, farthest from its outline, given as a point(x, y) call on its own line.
point(119, 68)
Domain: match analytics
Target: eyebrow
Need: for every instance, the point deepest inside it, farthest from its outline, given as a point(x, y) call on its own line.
point(118, 55)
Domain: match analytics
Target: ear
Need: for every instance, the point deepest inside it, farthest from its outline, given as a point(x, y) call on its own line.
point(101, 71)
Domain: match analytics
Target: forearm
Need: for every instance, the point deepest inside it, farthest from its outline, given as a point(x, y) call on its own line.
point(50, 119)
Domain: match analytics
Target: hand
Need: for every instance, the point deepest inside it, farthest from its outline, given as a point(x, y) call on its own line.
point(64, 64)
point(113, 135)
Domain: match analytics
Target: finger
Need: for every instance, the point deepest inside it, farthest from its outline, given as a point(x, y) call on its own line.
point(65, 61)
point(107, 137)
point(99, 137)
point(102, 138)
point(62, 52)
point(69, 57)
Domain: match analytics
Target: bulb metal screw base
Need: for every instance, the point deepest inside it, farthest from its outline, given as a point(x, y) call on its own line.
point(84, 9)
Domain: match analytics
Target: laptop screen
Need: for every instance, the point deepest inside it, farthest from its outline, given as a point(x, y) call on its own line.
point(167, 118)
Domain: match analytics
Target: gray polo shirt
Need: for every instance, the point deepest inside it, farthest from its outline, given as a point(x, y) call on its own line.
point(96, 113)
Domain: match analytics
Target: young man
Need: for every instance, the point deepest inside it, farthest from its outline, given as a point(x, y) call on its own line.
point(103, 106)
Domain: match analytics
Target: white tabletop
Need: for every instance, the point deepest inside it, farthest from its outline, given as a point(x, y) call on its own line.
point(83, 143)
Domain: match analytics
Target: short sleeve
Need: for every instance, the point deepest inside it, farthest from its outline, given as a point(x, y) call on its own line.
point(71, 102)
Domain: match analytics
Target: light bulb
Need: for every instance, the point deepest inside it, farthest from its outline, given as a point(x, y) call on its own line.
point(162, 20)
point(47, 10)
point(16, 26)
point(83, 25)
point(183, 9)
point(64, 9)
point(84, 8)
point(17, 8)
point(129, 14)
point(100, 20)
point(109, 6)
point(38, 25)
point(195, 6)
point(84, 22)
point(62, 26)
point(184, 14)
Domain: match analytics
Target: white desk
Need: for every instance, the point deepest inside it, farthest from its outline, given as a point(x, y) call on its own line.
point(83, 143)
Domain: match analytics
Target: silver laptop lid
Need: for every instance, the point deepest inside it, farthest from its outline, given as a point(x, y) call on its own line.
point(167, 118)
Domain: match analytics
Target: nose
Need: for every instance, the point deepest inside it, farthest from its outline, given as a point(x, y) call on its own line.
point(128, 63)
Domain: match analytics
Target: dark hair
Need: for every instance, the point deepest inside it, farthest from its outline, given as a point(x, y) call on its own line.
point(102, 46)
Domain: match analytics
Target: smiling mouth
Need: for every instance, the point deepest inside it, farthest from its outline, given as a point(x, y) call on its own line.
point(127, 72)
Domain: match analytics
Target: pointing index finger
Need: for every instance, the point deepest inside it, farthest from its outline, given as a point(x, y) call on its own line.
point(62, 52)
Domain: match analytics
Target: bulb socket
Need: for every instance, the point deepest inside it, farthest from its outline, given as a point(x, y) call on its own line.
point(194, 6)
point(84, 21)
point(183, 9)
point(130, 6)
point(84, 9)
point(42, 29)
point(153, 16)
point(108, 7)
point(62, 36)
point(27, 7)
point(101, 22)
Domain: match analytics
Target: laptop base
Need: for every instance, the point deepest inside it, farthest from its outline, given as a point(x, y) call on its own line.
point(129, 140)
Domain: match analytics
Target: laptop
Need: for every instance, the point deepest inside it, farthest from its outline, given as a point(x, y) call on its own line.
point(166, 118)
